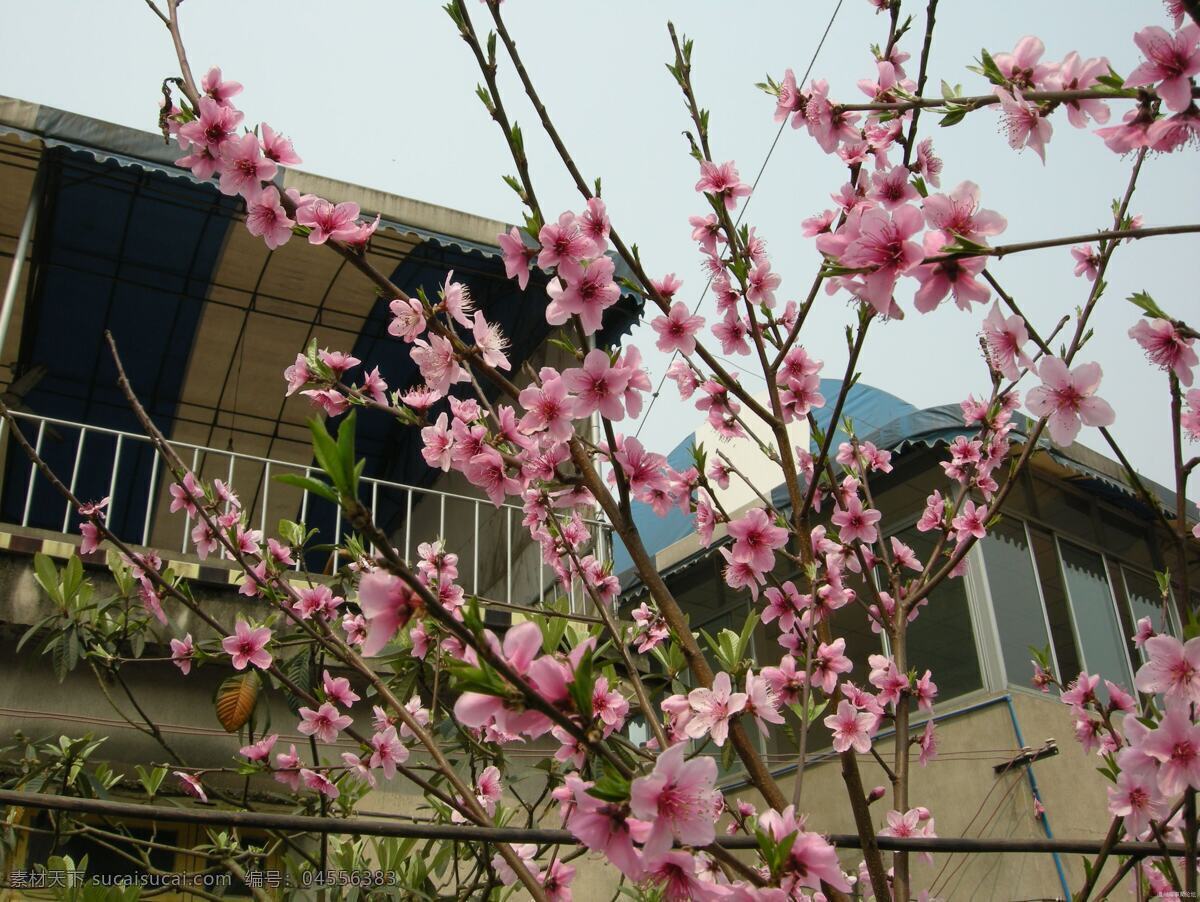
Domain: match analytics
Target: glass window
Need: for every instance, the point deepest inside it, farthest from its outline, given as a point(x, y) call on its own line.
point(942, 637)
point(1054, 595)
point(1095, 615)
point(1126, 539)
point(1141, 590)
point(1016, 601)
point(1067, 512)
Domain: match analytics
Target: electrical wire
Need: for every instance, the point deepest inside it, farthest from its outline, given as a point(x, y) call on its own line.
point(741, 213)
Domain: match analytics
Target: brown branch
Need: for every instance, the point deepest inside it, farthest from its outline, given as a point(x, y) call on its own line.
point(1004, 250)
point(977, 101)
point(922, 75)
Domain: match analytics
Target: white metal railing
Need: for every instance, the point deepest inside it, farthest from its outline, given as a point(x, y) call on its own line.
point(496, 560)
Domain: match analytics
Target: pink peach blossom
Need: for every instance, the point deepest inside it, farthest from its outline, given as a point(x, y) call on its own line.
point(713, 708)
point(1067, 397)
point(677, 798)
point(248, 646)
point(1170, 62)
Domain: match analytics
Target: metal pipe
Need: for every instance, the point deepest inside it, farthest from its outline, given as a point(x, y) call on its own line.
point(18, 260)
point(374, 826)
point(150, 496)
point(187, 518)
point(337, 539)
point(74, 475)
point(266, 495)
point(197, 449)
point(268, 466)
point(41, 433)
point(112, 483)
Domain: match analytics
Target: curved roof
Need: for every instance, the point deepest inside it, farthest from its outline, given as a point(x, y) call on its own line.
point(893, 424)
point(867, 407)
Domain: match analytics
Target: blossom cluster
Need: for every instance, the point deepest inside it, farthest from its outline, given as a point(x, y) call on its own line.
point(651, 811)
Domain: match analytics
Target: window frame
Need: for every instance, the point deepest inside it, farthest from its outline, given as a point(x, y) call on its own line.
point(986, 580)
point(1114, 566)
point(979, 617)
point(1112, 600)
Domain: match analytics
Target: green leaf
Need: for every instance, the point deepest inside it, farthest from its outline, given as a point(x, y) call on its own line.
point(582, 686)
point(1146, 304)
point(151, 780)
point(297, 669)
point(554, 628)
point(33, 630)
point(315, 486)
point(46, 575)
point(72, 577)
point(564, 345)
point(482, 679)
point(990, 70)
point(953, 117)
point(747, 634)
point(325, 449)
point(611, 787)
point(963, 245)
point(292, 533)
point(482, 93)
point(345, 445)
point(64, 654)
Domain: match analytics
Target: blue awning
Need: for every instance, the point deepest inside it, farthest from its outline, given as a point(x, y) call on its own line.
point(207, 317)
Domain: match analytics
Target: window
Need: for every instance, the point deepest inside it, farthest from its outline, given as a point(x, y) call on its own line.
point(1128, 540)
point(1095, 615)
point(1016, 599)
point(942, 638)
point(1143, 599)
point(1054, 594)
point(1065, 511)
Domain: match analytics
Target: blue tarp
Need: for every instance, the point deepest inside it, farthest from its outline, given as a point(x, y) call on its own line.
point(868, 408)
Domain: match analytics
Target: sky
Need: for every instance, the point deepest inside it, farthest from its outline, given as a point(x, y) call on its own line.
point(382, 94)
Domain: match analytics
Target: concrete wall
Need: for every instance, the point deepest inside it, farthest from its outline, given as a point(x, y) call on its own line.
point(960, 787)
point(967, 798)
point(35, 705)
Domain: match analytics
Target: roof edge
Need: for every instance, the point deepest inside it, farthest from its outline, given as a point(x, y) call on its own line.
point(53, 124)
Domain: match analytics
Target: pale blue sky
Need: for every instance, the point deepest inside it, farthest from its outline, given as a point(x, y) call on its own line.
point(381, 94)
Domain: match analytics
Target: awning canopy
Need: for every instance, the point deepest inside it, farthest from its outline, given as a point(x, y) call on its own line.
point(205, 315)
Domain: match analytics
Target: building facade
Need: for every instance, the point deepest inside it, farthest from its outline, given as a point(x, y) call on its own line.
point(1069, 570)
point(103, 233)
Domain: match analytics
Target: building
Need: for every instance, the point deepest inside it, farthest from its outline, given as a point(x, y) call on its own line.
point(101, 231)
point(1069, 568)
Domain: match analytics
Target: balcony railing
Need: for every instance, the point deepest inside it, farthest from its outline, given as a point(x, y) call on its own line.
point(497, 558)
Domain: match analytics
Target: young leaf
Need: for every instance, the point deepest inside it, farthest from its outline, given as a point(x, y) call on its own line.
point(582, 686)
point(1146, 304)
point(349, 466)
point(611, 787)
point(325, 449)
point(46, 575)
point(316, 486)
